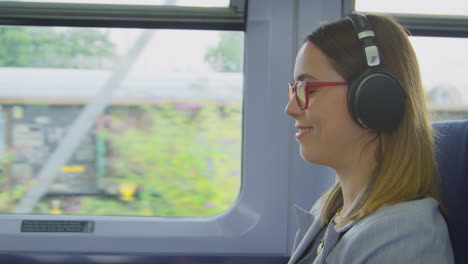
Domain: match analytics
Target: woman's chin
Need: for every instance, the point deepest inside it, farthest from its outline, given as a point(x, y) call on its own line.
point(311, 156)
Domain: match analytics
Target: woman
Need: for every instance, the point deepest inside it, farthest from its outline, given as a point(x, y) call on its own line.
point(359, 107)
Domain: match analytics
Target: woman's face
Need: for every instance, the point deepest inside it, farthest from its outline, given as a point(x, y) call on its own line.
point(326, 132)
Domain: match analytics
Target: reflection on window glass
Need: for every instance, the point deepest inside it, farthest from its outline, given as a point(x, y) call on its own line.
point(436, 7)
point(200, 3)
point(444, 64)
point(167, 144)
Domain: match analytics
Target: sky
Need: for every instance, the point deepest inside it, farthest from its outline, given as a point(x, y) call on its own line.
point(445, 7)
point(443, 61)
point(168, 50)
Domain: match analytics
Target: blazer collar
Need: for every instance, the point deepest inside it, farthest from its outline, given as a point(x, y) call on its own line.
point(304, 218)
point(305, 221)
point(310, 221)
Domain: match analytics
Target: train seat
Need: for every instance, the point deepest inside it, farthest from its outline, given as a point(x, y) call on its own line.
point(452, 159)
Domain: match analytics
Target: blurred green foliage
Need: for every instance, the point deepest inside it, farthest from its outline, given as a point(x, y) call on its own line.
point(46, 47)
point(11, 190)
point(228, 55)
point(185, 160)
point(177, 159)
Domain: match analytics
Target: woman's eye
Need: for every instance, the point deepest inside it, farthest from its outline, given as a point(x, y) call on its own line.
point(312, 92)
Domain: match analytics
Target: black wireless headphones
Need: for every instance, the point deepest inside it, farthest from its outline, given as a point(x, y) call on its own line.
point(376, 100)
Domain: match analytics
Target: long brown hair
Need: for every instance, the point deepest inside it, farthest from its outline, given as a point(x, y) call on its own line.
point(406, 167)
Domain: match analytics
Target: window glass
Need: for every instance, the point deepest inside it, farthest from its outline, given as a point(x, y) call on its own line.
point(167, 143)
point(201, 3)
point(443, 64)
point(436, 7)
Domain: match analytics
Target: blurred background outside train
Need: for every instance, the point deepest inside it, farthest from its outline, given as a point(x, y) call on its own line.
point(169, 141)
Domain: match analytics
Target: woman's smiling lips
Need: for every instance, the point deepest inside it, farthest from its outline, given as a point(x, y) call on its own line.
point(302, 131)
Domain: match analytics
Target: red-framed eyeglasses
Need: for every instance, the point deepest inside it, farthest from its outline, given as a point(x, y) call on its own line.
point(302, 90)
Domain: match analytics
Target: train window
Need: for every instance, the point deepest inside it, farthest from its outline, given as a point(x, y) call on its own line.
point(436, 7)
point(204, 3)
point(443, 75)
point(164, 140)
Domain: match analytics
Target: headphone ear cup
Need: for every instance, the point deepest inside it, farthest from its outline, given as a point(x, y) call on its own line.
point(353, 87)
point(377, 101)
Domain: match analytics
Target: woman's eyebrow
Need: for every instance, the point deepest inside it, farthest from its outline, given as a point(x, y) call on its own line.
point(303, 76)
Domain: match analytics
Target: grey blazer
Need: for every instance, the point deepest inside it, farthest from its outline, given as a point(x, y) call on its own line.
point(408, 232)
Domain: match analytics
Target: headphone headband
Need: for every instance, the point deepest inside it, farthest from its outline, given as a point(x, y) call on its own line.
point(367, 37)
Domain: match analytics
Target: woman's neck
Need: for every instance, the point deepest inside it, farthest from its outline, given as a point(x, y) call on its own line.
point(354, 176)
point(350, 190)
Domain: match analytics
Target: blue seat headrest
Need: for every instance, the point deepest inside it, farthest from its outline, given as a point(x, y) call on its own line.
point(451, 147)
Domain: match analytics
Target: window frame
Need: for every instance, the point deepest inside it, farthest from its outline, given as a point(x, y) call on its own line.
point(133, 232)
point(123, 16)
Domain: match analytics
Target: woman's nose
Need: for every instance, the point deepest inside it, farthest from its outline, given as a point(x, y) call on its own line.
point(292, 108)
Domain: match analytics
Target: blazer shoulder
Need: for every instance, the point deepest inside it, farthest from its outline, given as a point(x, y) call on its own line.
point(405, 217)
point(400, 233)
point(417, 211)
